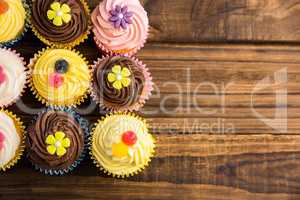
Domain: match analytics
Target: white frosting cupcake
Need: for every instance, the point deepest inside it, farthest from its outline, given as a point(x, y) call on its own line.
point(10, 140)
point(12, 77)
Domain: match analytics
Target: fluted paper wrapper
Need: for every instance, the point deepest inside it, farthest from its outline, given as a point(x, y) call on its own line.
point(84, 124)
point(45, 101)
point(97, 162)
point(27, 71)
point(147, 90)
point(24, 31)
point(22, 133)
point(69, 45)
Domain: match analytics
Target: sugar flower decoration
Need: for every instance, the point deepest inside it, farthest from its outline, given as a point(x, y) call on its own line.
point(56, 80)
point(121, 17)
point(123, 148)
point(59, 13)
point(58, 143)
point(2, 75)
point(119, 77)
point(3, 7)
point(2, 138)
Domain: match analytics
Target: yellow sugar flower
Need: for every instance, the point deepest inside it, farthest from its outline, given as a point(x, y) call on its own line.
point(119, 77)
point(59, 13)
point(57, 143)
point(119, 150)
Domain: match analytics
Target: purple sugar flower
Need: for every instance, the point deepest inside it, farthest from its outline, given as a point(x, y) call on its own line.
point(121, 17)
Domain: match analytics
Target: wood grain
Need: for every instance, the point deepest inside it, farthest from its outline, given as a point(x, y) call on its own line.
point(204, 112)
point(222, 20)
point(192, 159)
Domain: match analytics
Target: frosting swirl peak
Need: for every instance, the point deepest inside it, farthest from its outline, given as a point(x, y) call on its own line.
point(113, 154)
point(124, 98)
point(47, 124)
point(13, 77)
point(66, 33)
point(11, 139)
point(117, 38)
point(12, 21)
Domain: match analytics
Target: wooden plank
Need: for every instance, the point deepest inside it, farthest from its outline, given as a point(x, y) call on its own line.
point(208, 88)
point(254, 161)
point(222, 20)
point(103, 188)
point(185, 166)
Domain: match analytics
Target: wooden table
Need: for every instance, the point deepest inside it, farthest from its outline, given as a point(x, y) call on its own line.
point(226, 72)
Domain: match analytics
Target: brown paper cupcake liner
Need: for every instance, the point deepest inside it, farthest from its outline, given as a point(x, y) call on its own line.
point(22, 133)
point(147, 90)
point(27, 72)
point(45, 101)
point(69, 45)
point(97, 163)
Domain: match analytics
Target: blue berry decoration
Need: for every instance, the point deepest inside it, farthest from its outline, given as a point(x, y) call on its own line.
point(61, 66)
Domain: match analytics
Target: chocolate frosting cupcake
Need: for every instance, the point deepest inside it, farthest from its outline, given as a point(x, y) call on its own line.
point(67, 32)
point(39, 141)
point(105, 92)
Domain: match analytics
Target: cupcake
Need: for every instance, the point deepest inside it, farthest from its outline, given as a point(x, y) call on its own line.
point(60, 23)
point(120, 26)
point(13, 20)
point(121, 145)
point(12, 77)
point(59, 77)
point(57, 141)
point(120, 83)
point(12, 136)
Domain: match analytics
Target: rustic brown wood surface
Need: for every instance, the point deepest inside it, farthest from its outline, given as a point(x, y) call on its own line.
point(209, 110)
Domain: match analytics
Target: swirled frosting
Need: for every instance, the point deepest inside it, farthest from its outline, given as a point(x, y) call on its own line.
point(47, 124)
point(66, 33)
point(76, 79)
point(118, 39)
point(14, 73)
point(110, 97)
point(12, 139)
point(109, 132)
point(12, 21)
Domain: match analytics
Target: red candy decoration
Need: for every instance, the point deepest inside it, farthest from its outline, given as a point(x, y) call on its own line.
point(2, 138)
point(56, 80)
point(2, 75)
point(3, 7)
point(129, 138)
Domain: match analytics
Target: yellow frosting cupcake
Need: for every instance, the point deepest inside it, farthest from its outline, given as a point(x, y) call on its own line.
point(122, 145)
point(59, 77)
point(12, 19)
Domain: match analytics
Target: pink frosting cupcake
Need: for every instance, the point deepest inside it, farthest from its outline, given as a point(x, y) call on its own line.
point(120, 26)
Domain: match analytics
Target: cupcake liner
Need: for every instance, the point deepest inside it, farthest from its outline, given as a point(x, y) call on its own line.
point(22, 133)
point(128, 52)
point(84, 124)
point(27, 72)
point(147, 91)
point(97, 163)
point(25, 29)
point(70, 45)
point(125, 52)
point(44, 100)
